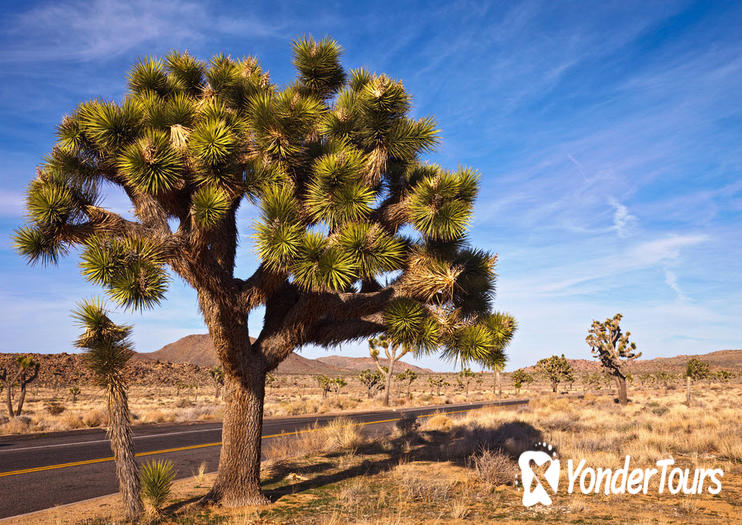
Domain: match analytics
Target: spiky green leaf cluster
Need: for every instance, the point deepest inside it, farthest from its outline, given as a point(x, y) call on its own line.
point(318, 64)
point(441, 205)
point(151, 164)
point(107, 345)
point(130, 269)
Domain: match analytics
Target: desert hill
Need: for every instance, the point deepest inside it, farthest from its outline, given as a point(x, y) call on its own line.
point(59, 370)
point(357, 364)
point(198, 350)
point(726, 359)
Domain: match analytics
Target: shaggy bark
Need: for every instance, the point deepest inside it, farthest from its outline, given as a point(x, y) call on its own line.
point(122, 446)
point(238, 479)
point(623, 397)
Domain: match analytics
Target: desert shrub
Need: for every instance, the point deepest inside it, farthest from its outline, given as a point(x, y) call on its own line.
point(423, 489)
point(16, 425)
point(95, 418)
point(183, 403)
point(341, 434)
point(438, 422)
point(493, 467)
point(157, 478)
point(72, 421)
point(55, 408)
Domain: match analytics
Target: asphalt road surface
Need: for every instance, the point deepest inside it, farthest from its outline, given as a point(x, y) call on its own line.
point(42, 471)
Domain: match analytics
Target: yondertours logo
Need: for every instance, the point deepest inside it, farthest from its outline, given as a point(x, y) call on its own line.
point(540, 471)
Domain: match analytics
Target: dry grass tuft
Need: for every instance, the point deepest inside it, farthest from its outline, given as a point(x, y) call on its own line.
point(438, 422)
point(493, 467)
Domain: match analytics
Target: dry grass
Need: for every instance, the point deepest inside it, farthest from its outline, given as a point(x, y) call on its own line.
point(456, 469)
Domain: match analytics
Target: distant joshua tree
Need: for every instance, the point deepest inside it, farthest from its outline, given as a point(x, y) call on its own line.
point(372, 380)
point(74, 391)
point(408, 377)
point(501, 338)
point(107, 351)
point(555, 370)
point(217, 377)
point(614, 350)
point(28, 371)
point(436, 383)
point(464, 379)
point(695, 370)
point(520, 377)
point(325, 383)
point(394, 353)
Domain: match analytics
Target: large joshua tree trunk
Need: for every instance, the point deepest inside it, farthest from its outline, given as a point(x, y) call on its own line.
point(122, 445)
point(238, 478)
point(623, 397)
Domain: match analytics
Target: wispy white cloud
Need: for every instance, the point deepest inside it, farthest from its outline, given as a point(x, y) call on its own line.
point(623, 222)
point(11, 203)
point(104, 29)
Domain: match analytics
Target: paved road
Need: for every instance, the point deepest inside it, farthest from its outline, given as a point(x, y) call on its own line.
point(41, 471)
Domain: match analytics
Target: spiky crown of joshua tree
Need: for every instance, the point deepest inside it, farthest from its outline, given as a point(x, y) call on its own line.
point(107, 345)
point(332, 161)
point(610, 345)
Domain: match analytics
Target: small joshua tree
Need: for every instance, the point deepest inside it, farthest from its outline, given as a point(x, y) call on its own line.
point(107, 351)
point(723, 376)
point(436, 383)
point(695, 370)
point(325, 383)
point(394, 353)
point(408, 377)
point(614, 350)
point(372, 380)
point(464, 379)
point(28, 371)
point(555, 370)
point(501, 338)
point(74, 391)
point(217, 377)
point(520, 377)
point(337, 383)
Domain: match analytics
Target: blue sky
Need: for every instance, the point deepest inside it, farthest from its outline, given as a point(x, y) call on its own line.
point(608, 136)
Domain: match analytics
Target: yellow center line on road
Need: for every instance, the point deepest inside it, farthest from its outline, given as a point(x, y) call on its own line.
point(205, 445)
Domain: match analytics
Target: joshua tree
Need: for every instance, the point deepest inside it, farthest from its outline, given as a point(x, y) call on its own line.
point(393, 352)
point(555, 370)
point(464, 379)
point(356, 236)
point(217, 377)
point(409, 377)
point(614, 350)
point(646, 379)
point(107, 352)
point(372, 380)
point(437, 383)
point(325, 383)
point(501, 339)
point(28, 371)
point(520, 377)
point(695, 370)
point(337, 383)
point(74, 391)
point(723, 376)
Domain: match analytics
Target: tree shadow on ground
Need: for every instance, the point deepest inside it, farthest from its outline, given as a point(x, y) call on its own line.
point(407, 444)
